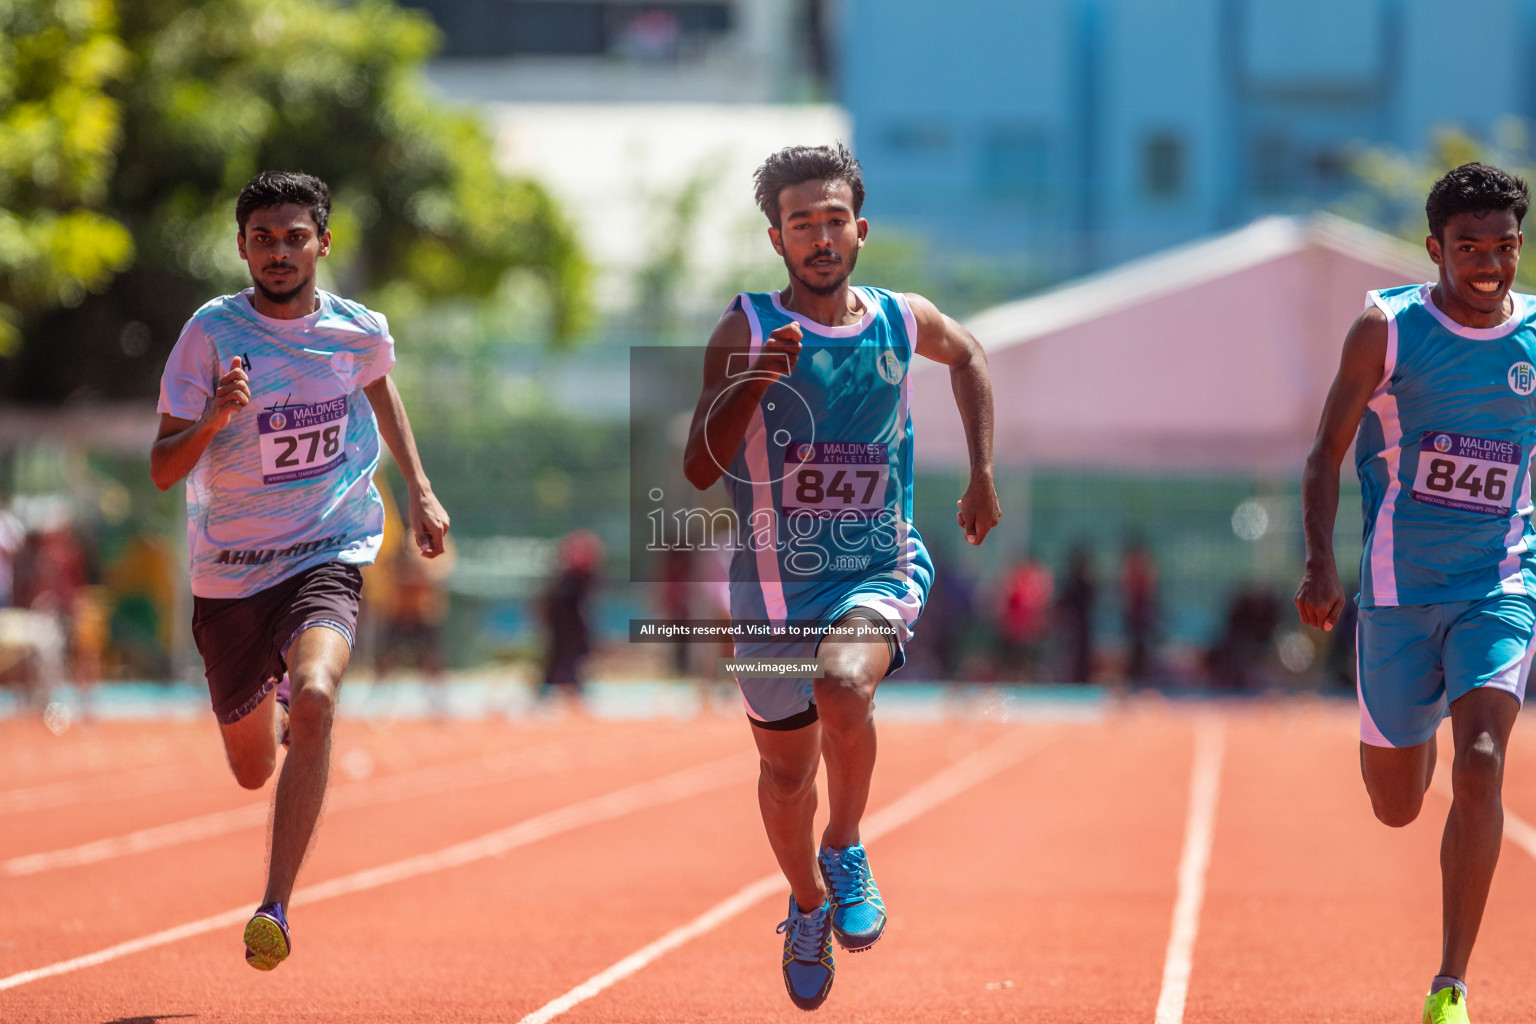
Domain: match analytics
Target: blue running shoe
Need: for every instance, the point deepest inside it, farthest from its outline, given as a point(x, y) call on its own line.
point(858, 911)
point(808, 966)
point(266, 937)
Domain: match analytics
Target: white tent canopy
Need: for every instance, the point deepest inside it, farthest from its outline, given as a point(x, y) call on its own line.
point(1212, 356)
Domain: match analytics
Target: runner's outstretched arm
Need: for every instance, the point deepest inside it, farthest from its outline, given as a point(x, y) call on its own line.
point(428, 520)
point(1320, 597)
point(944, 341)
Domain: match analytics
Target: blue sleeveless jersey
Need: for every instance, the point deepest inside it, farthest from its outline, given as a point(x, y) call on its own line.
point(822, 484)
point(1443, 454)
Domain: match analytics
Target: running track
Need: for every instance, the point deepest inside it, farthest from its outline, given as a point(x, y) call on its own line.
point(1165, 863)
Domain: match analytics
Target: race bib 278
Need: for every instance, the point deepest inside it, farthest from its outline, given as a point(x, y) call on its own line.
point(302, 441)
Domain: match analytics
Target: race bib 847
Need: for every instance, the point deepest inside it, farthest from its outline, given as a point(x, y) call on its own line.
point(826, 478)
point(1472, 474)
point(302, 441)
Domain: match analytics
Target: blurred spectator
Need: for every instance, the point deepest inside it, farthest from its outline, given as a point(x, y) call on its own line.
point(1138, 601)
point(1241, 658)
point(50, 572)
point(565, 605)
point(695, 585)
point(937, 648)
point(50, 569)
point(676, 600)
point(11, 538)
point(712, 600)
point(1075, 611)
point(411, 605)
point(142, 602)
point(1024, 619)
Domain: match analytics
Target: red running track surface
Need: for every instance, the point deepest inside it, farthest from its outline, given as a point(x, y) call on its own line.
point(1038, 888)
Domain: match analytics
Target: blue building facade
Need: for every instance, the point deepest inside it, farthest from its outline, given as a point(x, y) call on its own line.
point(1073, 134)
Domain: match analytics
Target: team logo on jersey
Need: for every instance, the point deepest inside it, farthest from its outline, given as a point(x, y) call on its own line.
point(1522, 378)
point(806, 452)
point(277, 421)
point(344, 365)
point(1443, 442)
point(889, 367)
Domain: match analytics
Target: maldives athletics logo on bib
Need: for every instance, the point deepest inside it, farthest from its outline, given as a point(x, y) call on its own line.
point(1522, 378)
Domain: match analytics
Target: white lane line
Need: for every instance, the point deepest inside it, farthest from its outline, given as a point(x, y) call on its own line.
point(408, 785)
point(139, 841)
point(1199, 827)
point(947, 783)
point(667, 789)
point(133, 783)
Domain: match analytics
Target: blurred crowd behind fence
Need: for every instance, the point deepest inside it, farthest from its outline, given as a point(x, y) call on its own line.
point(1179, 582)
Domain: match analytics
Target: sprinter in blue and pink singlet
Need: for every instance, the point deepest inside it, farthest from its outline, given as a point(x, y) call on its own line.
point(804, 417)
point(1437, 391)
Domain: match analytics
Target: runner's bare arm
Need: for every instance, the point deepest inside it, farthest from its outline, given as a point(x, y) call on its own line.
point(944, 341)
point(714, 436)
point(427, 519)
point(1320, 597)
point(180, 443)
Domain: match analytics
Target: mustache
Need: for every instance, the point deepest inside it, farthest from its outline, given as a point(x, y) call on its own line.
point(830, 254)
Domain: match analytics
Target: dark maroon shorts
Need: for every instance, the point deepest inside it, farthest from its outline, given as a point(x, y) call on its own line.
point(243, 640)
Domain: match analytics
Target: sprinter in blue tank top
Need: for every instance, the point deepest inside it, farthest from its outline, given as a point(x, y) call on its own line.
point(1437, 390)
point(804, 418)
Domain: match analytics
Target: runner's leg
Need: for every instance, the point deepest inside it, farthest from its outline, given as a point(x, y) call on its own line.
point(786, 792)
point(251, 743)
point(1481, 721)
point(845, 702)
point(1396, 779)
point(316, 660)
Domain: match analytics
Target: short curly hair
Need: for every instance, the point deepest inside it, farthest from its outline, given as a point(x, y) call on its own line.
point(795, 165)
point(277, 188)
point(1475, 188)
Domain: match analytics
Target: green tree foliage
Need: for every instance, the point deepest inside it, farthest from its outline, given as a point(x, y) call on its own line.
point(59, 130)
point(206, 93)
point(1394, 184)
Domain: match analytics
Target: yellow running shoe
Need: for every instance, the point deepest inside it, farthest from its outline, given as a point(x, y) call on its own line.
point(1448, 1006)
point(266, 937)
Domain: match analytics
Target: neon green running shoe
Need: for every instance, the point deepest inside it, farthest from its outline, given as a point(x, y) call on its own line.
point(1448, 1006)
point(266, 937)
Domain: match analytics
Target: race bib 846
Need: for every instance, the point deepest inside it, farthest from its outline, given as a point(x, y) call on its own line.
point(302, 441)
point(1472, 474)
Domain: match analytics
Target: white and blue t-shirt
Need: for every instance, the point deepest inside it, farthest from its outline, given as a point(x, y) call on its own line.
point(1443, 452)
point(288, 484)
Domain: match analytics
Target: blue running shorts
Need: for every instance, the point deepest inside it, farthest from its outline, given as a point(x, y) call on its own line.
point(1414, 661)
